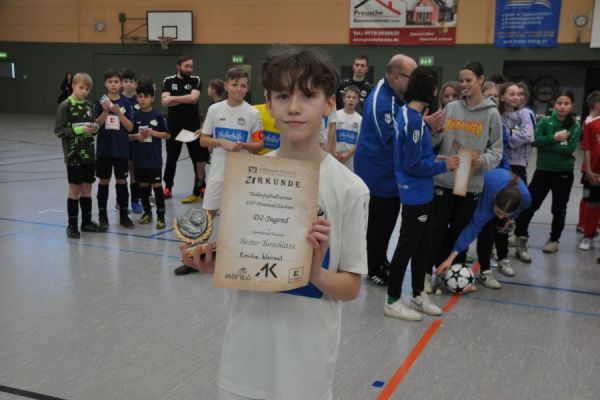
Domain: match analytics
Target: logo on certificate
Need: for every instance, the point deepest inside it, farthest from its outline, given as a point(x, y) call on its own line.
point(295, 274)
point(268, 271)
point(252, 170)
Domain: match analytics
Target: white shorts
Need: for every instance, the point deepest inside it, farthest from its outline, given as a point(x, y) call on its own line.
point(212, 195)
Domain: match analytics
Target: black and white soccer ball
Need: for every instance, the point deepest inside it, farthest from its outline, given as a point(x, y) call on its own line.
point(459, 278)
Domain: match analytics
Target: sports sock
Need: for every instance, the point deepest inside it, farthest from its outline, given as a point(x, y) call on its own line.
point(122, 199)
point(134, 188)
point(145, 194)
point(160, 202)
point(392, 300)
point(72, 210)
point(102, 200)
point(86, 209)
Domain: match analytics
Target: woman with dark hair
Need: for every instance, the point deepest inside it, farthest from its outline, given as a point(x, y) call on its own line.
point(504, 197)
point(472, 122)
point(556, 138)
point(414, 166)
point(65, 88)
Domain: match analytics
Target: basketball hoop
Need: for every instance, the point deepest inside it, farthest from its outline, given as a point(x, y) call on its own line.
point(164, 41)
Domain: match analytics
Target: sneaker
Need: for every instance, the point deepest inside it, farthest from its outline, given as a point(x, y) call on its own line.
point(167, 192)
point(146, 219)
point(127, 223)
point(73, 232)
point(489, 280)
point(136, 207)
point(494, 261)
point(512, 240)
point(184, 270)
point(585, 243)
point(579, 228)
point(401, 311)
point(90, 226)
point(103, 225)
point(521, 251)
point(424, 304)
point(505, 268)
point(192, 198)
point(551, 246)
point(379, 278)
point(427, 285)
point(160, 224)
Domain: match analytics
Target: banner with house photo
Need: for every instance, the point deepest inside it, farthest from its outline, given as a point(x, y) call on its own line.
point(402, 22)
point(527, 23)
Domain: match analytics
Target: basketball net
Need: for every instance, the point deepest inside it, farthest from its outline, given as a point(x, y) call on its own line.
point(164, 42)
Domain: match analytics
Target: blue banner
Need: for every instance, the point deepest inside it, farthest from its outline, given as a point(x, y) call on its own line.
point(527, 23)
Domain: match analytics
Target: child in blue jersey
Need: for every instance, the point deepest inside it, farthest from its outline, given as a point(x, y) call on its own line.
point(130, 82)
point(150, 128)
point(415, 165)
point(114, 117)
point(285, 345)
point(503, 198)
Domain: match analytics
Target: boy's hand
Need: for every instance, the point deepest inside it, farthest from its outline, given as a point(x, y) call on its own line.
point(204, 264)
point(592, 178)
point(452, 162)
point(342, 157)
point(115, 108)
point(476, 163)
point(231, 146)
point(561, 136)
point(106, 105)
point(318, 237)
point(88, 129)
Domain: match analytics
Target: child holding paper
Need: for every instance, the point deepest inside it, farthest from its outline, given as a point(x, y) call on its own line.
point(302, 326)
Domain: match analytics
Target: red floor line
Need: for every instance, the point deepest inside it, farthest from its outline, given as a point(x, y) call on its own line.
point(414, 354)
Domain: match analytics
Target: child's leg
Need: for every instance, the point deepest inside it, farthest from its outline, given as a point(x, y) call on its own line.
point(590, 224)
point(159, 196)
point(133, 186)
point(145, 196)
point(121, 169)
point(72, 206)
point(582, 213)
point(561, 190)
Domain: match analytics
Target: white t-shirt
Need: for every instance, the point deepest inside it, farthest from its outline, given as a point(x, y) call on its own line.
point(284, 346)
point(236, 124)
point(326, 122)
point(346, 133)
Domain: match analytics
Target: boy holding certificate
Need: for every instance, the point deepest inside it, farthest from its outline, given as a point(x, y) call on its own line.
point(285, 345)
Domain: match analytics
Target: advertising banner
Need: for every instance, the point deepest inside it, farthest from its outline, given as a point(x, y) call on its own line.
point(527, 23)
point(402, 22)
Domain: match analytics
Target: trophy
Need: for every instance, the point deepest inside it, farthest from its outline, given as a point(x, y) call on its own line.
point(194, 228)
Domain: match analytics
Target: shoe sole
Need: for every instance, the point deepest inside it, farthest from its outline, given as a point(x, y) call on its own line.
point(416, 308)
point(490, 287)
point(528, 261)
point(505, 273)
point(388, 314)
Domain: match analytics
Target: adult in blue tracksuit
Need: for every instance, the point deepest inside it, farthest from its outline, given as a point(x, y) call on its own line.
point(374, 163)
point(415, 165)
point(504, 197)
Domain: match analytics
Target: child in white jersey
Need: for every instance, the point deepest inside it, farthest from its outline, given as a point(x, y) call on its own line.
point(347, 128)
point(285, 345)
point(230, 125)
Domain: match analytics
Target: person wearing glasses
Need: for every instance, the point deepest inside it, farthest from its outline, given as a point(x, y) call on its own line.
point(374, 160)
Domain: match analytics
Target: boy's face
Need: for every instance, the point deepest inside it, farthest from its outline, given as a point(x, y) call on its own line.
point(113, 85)
point(80, 91)
point(297, 115)
point(145, 101)
point(129, 85)
point(236, 89)
point(210, 91)
point(350, 100)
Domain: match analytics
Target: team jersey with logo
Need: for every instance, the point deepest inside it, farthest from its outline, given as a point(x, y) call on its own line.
point(135, 107)
point(347, 129)
point(275, 343)
point(236, 124)
point(374, 158)
point(148, 154)
point(77, 148)
point(113, 138)
point(271, 135)
point(591, 142)
point(181, 87)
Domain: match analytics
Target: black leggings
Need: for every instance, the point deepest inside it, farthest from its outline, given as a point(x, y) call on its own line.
point(486, 239)
point(383, 213)
point(414, 244)
point(451, 214)
point(559, 183)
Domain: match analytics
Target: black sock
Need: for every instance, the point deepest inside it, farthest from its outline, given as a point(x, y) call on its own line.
point(102, 200)
point(72, 210)
point(122, 199)
point(160, 202)
point(145, 192)
point(86, 209)
point(196, 190)
point(134, 188)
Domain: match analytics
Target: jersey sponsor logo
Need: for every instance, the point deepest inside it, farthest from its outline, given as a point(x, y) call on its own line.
point(355, 125)
point(271, 140)
point(363, 93)
point(422, 218)
point(473, 127)
point(241, 121)
point(174, 87)
point(388, 118)
point(416, 136)
point(346, 136)
point(188, 87)
point(233, 135)
point(154, 122)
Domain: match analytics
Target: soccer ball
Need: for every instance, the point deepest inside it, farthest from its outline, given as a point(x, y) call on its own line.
point(459, 278)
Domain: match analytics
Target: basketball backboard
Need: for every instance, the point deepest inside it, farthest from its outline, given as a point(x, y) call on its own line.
point(175, 24)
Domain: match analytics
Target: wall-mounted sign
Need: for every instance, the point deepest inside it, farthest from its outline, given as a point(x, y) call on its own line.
point(3, 55)
point(426, 61)
point(527, 23)
point(237, 59)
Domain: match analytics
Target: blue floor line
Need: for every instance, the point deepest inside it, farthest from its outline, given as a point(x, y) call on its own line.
point(110, 233)
point(526, 305)
point(161, 233)
point(559, 289)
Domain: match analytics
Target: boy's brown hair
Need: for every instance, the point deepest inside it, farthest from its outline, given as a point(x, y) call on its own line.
point(593, 98)
point(287, 68)
point(82, 77)
point(235, 73)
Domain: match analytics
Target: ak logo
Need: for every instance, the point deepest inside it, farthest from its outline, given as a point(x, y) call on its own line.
point(267, 271)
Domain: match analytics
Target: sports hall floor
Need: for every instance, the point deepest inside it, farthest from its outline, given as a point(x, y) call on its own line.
point(104, 317)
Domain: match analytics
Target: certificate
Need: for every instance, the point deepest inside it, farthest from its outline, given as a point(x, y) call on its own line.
point(186, 136)
point(267, 209)
point(462, 175)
